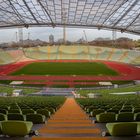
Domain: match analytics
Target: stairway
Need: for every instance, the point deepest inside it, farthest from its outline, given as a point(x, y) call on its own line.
point(70, 122)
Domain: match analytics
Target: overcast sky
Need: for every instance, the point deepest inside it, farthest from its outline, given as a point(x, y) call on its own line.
point(73, 34)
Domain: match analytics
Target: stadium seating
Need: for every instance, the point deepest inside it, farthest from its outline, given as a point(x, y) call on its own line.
point(106, 117)
point(14, 111)
point(113, 110)
point(138, 128)
point(125, 117)
point(3, 111)
point(122, 129)
point(16, 128)
point(136, 110)
point(125, 110)
point(7, 57)
point(3, 117)
point(96, 112)
point(35, 118)
point(27, 111)
point(14, 116)
point(52, 110)
point(83, 53)
point(44, 112)
point(137, 116)
point(71, 52)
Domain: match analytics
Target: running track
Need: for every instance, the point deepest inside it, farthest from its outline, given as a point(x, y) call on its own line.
point(127, 72)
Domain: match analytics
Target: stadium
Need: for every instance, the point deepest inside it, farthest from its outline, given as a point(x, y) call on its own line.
point(70, 90)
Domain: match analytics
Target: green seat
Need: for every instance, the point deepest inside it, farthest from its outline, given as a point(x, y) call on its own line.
point(138, 128)
point(96, 112)
point(4, 107)
point(89, 109)
point(126, 110)
point(113, 110)
point(35, 118)
point(0, 130)
point(28, 111)
point(3, 117)
point(125, 117)
point(137, 117)
point(52, 110)
point(122, 129)
point(137, 110)
point(36, 108)
point(14, 107)
point(43, 112)
point(16, 128)
point(14, 116)
point(14, 111)
point(3, 111)
point(106, 117)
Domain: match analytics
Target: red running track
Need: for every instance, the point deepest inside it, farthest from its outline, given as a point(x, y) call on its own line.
point(127, 72)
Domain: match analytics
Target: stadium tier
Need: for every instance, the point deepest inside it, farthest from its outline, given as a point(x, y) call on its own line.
point(83, 53)
point(90, 53)
point(7, 57)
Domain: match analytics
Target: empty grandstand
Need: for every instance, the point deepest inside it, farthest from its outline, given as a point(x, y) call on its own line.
point(89, 53)
point(83, 53)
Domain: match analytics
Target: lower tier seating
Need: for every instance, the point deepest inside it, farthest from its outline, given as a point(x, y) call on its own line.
point(16, 128)
point(123, 128)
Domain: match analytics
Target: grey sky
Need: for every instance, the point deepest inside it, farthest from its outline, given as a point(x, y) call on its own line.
point(73, 34)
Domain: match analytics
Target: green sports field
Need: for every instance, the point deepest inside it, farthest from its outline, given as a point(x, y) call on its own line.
point(45, 68)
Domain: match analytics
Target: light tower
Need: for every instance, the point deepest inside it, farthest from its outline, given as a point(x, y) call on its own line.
point(16, 37)
point(20, 34)
point(114, 37)
point(28, 35)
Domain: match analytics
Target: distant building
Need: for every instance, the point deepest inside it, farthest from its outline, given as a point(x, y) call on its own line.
point(17, 92)
point(94, 95)
point(51, 39)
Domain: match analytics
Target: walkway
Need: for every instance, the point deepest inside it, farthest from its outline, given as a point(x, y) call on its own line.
point(70, 123)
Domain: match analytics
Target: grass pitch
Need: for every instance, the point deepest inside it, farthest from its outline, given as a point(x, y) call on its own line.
point(45, 68)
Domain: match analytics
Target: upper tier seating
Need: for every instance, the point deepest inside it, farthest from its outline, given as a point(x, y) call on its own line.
point(7, 57)
point(82, 53)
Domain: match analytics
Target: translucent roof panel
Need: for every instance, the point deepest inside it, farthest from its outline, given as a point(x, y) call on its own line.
point(123, 15)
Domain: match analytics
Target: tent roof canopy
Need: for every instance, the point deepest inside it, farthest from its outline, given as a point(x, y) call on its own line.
point(122, 15)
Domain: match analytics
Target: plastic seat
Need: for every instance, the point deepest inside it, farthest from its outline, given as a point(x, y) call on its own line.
point(14, 111)
point(106, 117)
point(96, 112)
point(28, 111)
point(3, 117)
point(43, 112)
point(122, 129)
point(125, 117)
point(14, 116)
point(35, 118)
point(16, 128)
point(3, 111)
point(137, 117)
